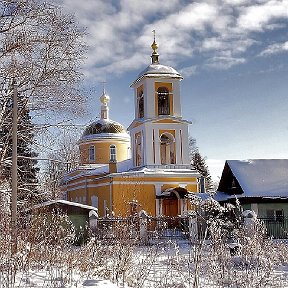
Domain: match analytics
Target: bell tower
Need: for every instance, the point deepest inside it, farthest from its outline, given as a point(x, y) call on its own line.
point(159, 135)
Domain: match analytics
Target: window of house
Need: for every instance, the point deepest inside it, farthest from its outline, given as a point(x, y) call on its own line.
point(91, 153)
point(112, 153)
point(279, 215)
point(276, 215)
point(140, 100)
point(163, 101)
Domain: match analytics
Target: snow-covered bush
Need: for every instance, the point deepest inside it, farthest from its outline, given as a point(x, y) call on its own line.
point(237, 253)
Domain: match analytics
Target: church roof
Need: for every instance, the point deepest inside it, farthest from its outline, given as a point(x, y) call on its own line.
point(104, 126)
point(158, 69)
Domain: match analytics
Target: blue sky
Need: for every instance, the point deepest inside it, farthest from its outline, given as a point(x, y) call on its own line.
point(233, 55)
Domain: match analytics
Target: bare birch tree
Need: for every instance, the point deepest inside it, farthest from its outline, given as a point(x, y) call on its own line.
point(41, 48)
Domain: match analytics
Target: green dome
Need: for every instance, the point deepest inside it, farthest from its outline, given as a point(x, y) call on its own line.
point(104, 126)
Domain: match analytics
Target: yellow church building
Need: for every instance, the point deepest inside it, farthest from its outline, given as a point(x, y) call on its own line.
point(147, 169)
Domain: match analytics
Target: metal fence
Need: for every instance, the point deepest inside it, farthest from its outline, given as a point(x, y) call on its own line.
point(167, 228)
point(277, 229)
point(117, 228)
point(129, 228)
point(162, 227)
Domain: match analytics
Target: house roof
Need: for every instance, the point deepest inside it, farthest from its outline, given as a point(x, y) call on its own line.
point(265, 178)
point(66, 203)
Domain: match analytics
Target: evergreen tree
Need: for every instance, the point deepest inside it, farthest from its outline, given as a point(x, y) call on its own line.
point(200, 165)
point(27, 170)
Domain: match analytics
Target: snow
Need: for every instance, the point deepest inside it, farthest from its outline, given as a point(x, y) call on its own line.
point(158, 70)
point(106, 136)
point(65, 202)
point(42, 278)
point(170, 263)
point(261, 177)
point(127, 168)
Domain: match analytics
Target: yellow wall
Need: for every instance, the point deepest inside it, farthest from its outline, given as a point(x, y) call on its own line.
point(125, 193)
point(164, 84)
point(123, 190)
point(160, 178)
point(102, 151)
point(189, 187)
point(192, 187)
point(172, 132)
point(103, 193)
point(77, 193)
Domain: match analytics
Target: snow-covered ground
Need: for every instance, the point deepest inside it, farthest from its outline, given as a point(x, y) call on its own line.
point(43, 279)
point(168, 264)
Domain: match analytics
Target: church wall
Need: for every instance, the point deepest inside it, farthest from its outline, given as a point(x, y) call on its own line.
point(189, 187)
point(164, 178)
point(150, 102)
point(176, 98)
point(123, 194)
point(192, 187)
point(103, 195)
point(78, 196)
point(102, 151)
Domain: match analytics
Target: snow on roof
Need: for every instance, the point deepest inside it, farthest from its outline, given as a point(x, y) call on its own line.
point(158, 70)
point(99, 169)
point(64, 202)
point(222, 196)
point(127, 168)
point(261, 177)
point(170, 170)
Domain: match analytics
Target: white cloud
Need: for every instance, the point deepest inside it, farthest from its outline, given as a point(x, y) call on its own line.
point(275, 49)
point(219, 31)
point(188, 71)
point(223, 62)
point(257, 17)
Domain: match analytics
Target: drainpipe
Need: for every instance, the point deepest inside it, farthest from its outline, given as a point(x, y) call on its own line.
point(86, 190)
point(110, 194)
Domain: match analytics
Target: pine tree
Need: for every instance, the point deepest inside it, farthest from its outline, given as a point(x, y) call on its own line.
point(27, 170)
point(200, 165)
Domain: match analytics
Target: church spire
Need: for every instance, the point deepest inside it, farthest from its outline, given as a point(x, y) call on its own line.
point(104, 99)
point(155, 55)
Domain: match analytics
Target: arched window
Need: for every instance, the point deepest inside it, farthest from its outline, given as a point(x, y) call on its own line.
point(128, 152)
point(138, 150)
point(140, 101)
point(163, 101)
point(112, 153)
point(94, 201)
point(91, 153)
point(167, 149)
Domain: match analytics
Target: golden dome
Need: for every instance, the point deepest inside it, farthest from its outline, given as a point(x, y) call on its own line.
point(105, 99)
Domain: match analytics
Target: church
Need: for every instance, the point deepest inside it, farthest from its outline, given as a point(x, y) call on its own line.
point(144, 167)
